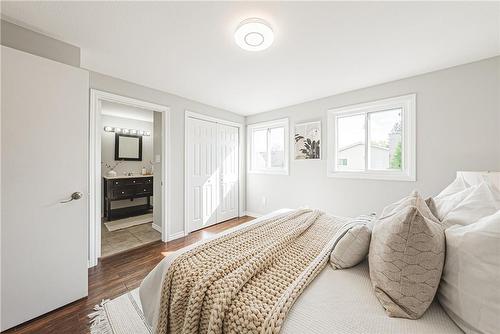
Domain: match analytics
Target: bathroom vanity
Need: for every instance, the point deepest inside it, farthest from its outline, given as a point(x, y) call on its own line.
point(119, 188)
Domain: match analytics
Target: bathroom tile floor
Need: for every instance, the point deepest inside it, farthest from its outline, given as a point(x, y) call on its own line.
point(126, 239)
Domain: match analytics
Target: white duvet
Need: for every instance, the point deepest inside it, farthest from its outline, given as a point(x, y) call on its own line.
point(336, 302)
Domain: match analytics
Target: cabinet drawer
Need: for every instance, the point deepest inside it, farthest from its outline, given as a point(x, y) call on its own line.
point(131, 182)
point(145, 189)
point(124, 192)
point(117, 183)
point(126, 182)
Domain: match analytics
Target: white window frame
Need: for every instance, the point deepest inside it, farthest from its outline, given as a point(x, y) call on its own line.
point(263, 126)
point(408, 119)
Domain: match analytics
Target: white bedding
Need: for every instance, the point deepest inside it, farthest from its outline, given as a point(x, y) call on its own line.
point(336, 302)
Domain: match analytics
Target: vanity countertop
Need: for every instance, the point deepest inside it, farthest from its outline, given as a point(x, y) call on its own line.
point(126, 176)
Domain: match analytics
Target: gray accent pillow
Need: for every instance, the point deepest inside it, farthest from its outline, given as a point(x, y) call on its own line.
point(353, 242)
point(406, 257)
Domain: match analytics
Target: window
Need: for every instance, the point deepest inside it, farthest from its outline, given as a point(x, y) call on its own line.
point(268, 147)
point(342, 162)
point(374, 140)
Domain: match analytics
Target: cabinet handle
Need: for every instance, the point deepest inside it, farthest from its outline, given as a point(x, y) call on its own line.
point(123, 192)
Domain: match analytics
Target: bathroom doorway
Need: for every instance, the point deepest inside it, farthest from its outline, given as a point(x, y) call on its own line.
point(129, 166)
point(130, 151)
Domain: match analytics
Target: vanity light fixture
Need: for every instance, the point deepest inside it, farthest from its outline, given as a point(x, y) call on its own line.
point(128, 131)
point(254, 34)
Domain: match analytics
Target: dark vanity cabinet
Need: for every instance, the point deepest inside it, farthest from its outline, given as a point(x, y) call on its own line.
point(123, 188)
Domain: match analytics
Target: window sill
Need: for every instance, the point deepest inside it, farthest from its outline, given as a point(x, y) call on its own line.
point(270, 172)
point(372, 175)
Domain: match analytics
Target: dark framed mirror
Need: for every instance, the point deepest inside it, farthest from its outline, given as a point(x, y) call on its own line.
point(128, 147)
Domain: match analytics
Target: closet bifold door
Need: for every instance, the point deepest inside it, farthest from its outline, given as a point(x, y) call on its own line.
point(202, 179)
point(212, 173)
point(228, 156)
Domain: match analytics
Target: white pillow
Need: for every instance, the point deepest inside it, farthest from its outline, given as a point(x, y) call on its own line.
point(483, 201)
point(470, 286)
point(456, 186)
point(449, 198)
point(442, 205)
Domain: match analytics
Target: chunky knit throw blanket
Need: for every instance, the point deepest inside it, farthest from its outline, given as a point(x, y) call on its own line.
point(246, 281)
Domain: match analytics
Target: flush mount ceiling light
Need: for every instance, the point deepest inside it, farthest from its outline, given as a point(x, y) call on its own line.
point(254, 35)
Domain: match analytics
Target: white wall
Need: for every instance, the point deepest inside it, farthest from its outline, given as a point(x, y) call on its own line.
point(458, 128)
point(108, 152)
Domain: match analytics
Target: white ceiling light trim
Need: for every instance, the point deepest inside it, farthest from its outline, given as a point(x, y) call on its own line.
point(254, 35)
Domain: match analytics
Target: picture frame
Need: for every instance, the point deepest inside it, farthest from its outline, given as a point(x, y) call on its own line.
point(307, 141)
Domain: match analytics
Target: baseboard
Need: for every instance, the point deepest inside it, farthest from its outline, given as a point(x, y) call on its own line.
point(253, 214)
point(156, 227)
point(175, 236)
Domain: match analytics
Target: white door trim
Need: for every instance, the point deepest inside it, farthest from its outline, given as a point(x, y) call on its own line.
point(96, 96)
point(241, 170)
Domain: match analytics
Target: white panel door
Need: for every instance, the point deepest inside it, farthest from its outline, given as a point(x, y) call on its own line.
point(202, 174)
point(44, 145)
point(228, 156)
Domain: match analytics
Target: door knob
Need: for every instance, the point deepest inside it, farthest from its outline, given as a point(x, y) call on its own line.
point(74, 196)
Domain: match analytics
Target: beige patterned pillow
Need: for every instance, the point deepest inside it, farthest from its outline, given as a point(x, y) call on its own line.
point(353, 243)
point(432, 206)
point(406, 258)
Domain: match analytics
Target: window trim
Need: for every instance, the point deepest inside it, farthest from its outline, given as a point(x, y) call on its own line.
point(283, 122)
point(408, 115)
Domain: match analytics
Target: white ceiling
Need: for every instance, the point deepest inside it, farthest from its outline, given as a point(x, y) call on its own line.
point(320, 49)
point(124, 111)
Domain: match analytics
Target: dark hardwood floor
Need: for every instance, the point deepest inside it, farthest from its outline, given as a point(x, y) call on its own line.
point(112, 277)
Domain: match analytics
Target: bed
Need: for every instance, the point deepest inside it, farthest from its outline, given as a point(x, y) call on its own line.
point(336, 301)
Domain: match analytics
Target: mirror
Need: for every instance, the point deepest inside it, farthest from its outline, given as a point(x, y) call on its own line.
point(128, 147)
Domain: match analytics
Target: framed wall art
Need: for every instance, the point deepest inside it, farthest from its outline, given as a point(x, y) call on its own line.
point(307, 138)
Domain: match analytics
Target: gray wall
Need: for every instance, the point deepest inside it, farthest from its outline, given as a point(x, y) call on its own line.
point(38, 44)
point(108, 144)
point(29, 41)
point(458, 128)
point(157, 153)
point(177, 105)
point(108, 153)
